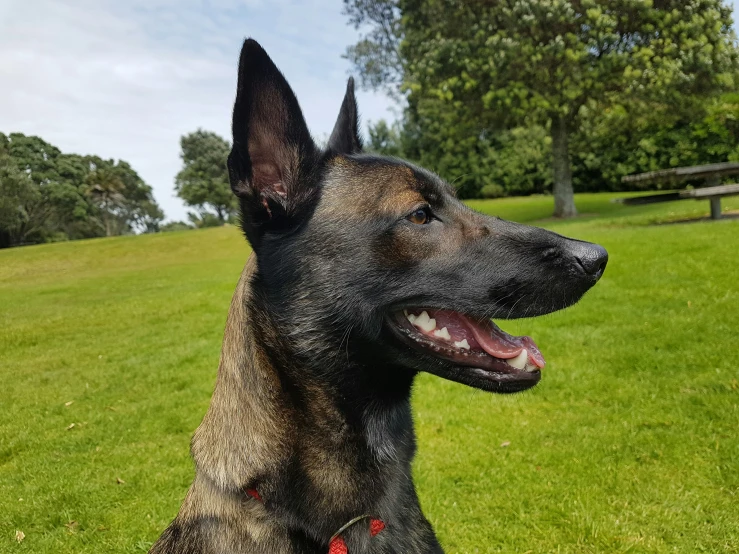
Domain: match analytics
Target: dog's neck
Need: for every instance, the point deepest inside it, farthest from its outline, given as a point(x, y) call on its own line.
point(242, 427)
point(258, 407)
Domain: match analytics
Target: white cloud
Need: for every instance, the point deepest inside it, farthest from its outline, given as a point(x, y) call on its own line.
point(127, 79)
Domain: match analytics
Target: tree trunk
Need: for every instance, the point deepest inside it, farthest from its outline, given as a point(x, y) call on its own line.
point(564, 198)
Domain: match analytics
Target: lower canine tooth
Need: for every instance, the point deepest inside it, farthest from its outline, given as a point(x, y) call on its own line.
point(462, 344)
point(519, 362)
point(443, 334)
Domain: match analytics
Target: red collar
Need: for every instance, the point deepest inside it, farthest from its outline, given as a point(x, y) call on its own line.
point(336, 544)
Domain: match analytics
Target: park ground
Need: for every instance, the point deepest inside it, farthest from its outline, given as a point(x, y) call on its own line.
point(109, 349)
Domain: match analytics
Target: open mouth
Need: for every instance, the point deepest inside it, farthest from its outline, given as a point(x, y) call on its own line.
point(486, 356)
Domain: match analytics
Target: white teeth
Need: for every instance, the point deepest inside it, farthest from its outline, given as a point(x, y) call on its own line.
point(463, 344)
point(424, 322)
point(428, 325)
point(519, 362)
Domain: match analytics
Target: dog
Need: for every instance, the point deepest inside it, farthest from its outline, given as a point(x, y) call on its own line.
point(365, 270)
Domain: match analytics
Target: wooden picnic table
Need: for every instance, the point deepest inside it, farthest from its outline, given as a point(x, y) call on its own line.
point(710, 173)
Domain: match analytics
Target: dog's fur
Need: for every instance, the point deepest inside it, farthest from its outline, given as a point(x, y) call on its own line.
point(311, 405)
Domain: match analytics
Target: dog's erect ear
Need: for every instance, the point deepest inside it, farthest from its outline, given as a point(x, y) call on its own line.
point(273, 155)
point(345, 137)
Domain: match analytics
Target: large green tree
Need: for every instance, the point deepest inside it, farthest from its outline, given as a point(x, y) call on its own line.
point(479, 66)
point(54, 200)
point(203, 181)
point(48, 195)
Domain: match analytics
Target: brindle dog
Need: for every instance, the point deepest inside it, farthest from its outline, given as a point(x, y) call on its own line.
point(365, 271)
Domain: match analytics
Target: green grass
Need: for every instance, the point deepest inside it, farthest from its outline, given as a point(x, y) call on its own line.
point(629, 444)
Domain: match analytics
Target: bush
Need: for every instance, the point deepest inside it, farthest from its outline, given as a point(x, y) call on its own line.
point(175, 226)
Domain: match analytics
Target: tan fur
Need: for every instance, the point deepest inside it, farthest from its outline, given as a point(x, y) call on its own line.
point(374, 191)
point(245, 428)
point(328, 471)
point(244, 434)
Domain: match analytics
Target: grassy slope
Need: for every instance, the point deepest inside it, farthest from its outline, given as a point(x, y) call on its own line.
point(628, 444)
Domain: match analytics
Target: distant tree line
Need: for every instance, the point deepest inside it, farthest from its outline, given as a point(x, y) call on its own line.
point(47, 195)
point(523, 96)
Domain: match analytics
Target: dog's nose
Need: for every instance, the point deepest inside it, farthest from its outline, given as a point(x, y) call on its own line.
point(592, 258)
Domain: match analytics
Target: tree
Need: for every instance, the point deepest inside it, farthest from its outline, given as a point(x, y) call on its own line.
point(377, 55)
point(48, 195)
point(518, 163)
point(125, 200)
point(106, 191)
point(507, 63)
point(385, 139)
point(54, 200)
point(203, 181)
point(16, 192)
point(621, 141)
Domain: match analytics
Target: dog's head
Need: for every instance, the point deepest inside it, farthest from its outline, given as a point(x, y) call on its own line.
point(367, 262)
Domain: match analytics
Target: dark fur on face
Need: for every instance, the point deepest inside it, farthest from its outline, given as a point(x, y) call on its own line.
point(311, 407)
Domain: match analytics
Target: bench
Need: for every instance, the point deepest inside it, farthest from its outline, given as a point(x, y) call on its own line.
point(710, 173)
point(712, 194)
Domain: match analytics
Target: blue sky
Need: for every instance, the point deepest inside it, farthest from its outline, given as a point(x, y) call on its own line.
point(125, 79)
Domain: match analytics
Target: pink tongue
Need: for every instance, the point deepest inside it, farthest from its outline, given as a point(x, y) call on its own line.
point(496, 342)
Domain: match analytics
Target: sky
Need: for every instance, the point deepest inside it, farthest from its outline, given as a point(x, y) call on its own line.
point(126, 79)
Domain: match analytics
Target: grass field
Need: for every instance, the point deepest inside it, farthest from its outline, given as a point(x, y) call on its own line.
point(109, 349)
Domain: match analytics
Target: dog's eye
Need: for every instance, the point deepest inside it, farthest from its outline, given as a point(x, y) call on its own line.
point(421, 216)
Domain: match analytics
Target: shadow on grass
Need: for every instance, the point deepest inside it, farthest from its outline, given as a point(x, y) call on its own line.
point(702, 219)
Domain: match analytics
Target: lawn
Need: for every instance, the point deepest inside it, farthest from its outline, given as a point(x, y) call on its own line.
point(109, 349)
